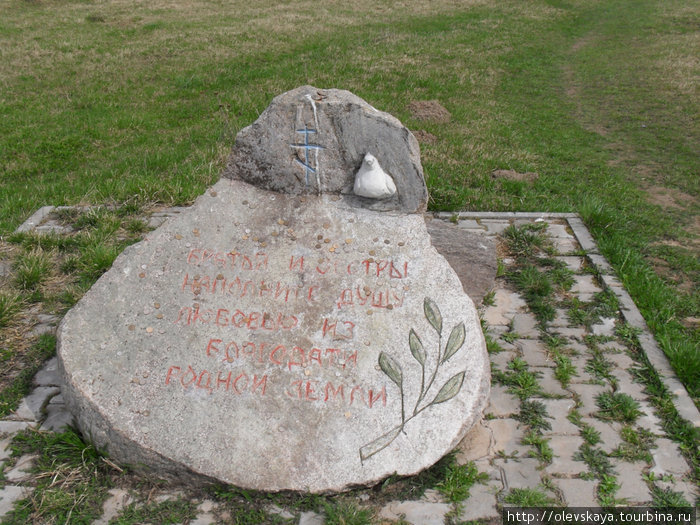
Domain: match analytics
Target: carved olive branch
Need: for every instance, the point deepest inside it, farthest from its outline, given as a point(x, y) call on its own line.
point(393, 370)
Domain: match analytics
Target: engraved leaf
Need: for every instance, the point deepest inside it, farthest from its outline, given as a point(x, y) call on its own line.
point(432, 314)
point(416, 347)
point(449, 389)
point(455, 341)
point(391, 368)
point(379, 444)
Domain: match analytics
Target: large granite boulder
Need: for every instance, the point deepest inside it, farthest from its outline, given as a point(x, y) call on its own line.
point(279, 337)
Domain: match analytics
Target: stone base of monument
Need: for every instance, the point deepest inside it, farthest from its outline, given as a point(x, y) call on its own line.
point(284, 335)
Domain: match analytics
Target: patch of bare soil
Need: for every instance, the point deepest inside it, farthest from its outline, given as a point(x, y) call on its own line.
point(429, 110)
point(424, 137)
point(514, 175)
point(669, 198)
point(669, 274)
point(691, 322)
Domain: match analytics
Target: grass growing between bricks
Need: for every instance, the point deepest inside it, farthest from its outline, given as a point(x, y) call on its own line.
point(71, 479)
point(677, 428)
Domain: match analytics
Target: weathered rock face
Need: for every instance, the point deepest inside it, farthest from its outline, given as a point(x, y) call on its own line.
point(472, 256)
point(277, 341)
point(313, 140)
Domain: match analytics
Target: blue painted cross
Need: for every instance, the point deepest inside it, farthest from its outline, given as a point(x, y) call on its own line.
point(308, 168)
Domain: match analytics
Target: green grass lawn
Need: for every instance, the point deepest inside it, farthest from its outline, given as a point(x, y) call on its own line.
point(126, 102)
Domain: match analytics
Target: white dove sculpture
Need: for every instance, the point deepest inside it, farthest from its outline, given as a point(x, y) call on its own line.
point(372, 181)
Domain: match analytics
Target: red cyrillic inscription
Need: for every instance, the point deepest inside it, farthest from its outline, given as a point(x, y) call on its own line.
point(365, 296)
point(219, 285)
point(312, 390)
point(280, 355)
point(232, 259)
point(236, 382)
point(238, 319)
point(344, 331)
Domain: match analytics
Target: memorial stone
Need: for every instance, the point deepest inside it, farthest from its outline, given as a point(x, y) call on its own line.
point(284, 333)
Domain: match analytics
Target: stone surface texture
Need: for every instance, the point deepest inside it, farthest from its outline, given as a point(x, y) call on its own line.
point(253, 324)
point(472, 256)
point(312, 141)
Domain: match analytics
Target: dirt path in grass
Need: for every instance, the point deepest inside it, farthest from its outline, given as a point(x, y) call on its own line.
point(674, 255)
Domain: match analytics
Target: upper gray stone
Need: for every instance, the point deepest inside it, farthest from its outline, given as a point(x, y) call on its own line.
point(313, 140)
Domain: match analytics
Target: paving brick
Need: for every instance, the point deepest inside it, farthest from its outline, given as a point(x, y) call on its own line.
point(507, 435)
point(414, 512)
point(521, 473)
point(585, 284)
point(5, 452)
point(32, 407)
point(501, 403)
point(10, 427)
point(613, 347)
point(492, 472)
point(501, 359)
point(20, 472)
point(549, 383)
point(587, 397)
point(37, 218)
point(609, 433)
point(475, 445)
point(605, 328)
point(525, 325)
point(481, 503)
point(276, 510)
point(668, 459)
point(621, 360)
point(496, 331)
point(534, 352)
point(649, 421)
point(558, 410)
point(496, 316)
point(633, 488)
point(506, 304)
point(57, 400)
point(8, 495)
point(311, 518)
point(578, 492)
point(578, 348)
point(574, 332)
point(495, 226)
point(582, 375)
point(117, 500)
point(559, 231)
point(626, 385)
point(470, 224)
point(41, 329)
point(564, 448)
point(57, 418)
point(561, 320)
point(573, 263)
point(565, 245)
point(48, 375)
point(432, 496)
point(205, 516)
point(583, 235)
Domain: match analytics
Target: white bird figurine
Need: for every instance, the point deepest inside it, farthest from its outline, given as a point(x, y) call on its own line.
point(372, 181)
